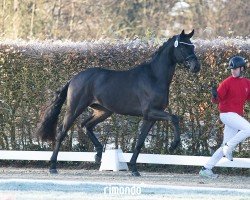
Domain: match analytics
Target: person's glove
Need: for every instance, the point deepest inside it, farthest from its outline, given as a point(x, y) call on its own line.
point(214, 92)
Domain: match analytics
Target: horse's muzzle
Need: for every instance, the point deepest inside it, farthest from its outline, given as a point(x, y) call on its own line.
point(193, 65)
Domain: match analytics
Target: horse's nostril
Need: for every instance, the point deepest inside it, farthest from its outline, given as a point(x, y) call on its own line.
point(193, 65)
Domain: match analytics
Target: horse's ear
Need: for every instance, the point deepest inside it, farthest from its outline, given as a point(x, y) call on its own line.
point(191, 34)
point(183, 32)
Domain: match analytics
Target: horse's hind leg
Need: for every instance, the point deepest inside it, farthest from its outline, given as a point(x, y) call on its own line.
point(74, 109)
point(99, 115)
point(67, 123)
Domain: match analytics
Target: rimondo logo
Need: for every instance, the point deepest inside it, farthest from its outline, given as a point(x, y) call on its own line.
point(122, 190)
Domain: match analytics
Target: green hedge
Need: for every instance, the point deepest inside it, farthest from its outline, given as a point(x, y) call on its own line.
point(31, 71)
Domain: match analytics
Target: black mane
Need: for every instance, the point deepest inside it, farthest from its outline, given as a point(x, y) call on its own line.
point(160, 49)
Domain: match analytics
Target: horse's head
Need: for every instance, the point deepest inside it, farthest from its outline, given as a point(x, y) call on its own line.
point(184, 52)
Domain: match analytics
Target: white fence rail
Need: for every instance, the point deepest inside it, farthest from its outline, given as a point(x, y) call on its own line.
point(121, 157)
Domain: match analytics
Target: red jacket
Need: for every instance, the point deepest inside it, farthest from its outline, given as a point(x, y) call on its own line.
point(233, 94)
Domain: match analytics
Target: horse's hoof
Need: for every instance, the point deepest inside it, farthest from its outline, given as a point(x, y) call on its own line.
point(136, 173)
point(97, 159)
point(53, 171)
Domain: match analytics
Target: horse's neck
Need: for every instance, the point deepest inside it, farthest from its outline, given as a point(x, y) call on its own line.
point(163, 68)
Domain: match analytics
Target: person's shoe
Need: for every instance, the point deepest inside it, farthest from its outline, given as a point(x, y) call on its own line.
point(207, 173)
point(228, 151)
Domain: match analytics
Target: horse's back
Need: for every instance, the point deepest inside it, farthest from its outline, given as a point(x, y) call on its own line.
point(100, 77)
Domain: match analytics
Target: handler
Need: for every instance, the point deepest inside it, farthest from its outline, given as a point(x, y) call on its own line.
point(231, 96)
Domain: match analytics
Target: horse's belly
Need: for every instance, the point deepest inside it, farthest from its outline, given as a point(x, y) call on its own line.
point(131, 112)
point(123, 105)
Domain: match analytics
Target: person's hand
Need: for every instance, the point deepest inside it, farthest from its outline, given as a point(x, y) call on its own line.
point(214, 92)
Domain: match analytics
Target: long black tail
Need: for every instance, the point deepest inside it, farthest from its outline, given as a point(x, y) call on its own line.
point(47, 127)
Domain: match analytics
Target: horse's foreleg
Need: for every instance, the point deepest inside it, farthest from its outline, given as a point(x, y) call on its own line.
point(175, 143)
point(161, 115)
point(146, 126)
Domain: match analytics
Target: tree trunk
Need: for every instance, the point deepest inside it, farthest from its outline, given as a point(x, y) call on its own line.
point(3, 18)
point(15, 19)
point(71, 25)
point(32, 18)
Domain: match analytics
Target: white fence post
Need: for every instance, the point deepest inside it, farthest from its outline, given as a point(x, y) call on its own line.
point(111, 161)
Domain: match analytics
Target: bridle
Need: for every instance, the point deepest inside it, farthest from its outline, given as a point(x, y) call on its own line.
point(185, 59)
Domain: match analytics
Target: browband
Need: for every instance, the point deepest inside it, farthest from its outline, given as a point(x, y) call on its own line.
point(176, 43)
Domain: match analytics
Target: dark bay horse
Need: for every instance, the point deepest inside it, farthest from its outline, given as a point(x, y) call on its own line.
point(141, 91)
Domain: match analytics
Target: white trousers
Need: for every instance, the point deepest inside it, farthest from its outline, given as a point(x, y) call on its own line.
point(235, 131)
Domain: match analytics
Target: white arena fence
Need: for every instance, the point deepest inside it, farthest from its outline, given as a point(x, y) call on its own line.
point(117, 160)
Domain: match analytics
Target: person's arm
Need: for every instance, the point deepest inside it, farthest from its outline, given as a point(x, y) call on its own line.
point(214, 93)
point(248, 96)
point(219, 93)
